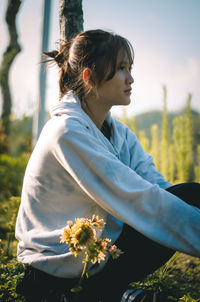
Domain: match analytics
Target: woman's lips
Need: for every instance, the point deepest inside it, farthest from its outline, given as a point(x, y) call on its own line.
point(127, 91)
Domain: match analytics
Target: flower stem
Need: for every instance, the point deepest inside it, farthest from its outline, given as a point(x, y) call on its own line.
point(83, 272)
point(79, 287)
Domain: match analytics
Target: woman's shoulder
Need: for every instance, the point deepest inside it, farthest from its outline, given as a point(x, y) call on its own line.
point(123, 129)
point(64, 125)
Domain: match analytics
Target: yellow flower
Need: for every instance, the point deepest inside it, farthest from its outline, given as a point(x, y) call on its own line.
point(104, 244)
point(69, 223)
point(101, 257)
point(78, 235)
point(99, 223)
point(82, 236)
point(75, 251)
point(65, 237)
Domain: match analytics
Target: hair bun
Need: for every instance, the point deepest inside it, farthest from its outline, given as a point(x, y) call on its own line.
point(51, 54)
point(57, 57)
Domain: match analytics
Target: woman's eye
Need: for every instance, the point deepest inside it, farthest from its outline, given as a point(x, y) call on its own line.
point(126, 67)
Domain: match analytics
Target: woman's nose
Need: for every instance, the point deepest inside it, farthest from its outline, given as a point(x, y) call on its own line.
point(129, 79)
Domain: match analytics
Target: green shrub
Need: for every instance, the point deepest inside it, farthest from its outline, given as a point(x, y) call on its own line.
point(9, 209)
point(20, 136)
point(11, 273)
point(11, 174)
point(188, 298)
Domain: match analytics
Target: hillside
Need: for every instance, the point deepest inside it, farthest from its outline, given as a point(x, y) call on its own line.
point(145, 120)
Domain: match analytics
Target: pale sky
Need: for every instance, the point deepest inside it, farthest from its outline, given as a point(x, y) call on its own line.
point(164, 34)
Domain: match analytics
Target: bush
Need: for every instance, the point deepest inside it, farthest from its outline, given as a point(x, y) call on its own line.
point(9, 209)
point(11, 272)
point(20, 136)
point(11, 174)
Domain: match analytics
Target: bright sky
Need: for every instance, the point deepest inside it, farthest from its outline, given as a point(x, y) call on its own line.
point(164, 34)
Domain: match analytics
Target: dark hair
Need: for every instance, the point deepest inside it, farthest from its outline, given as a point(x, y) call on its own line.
point(96, 49)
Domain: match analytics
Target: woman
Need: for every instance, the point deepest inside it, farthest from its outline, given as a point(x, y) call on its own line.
point(86, 162)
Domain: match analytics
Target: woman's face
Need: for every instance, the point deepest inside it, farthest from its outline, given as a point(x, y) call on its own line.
point(117, 91)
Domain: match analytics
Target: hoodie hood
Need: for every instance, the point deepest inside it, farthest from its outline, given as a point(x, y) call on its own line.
point(70, 105)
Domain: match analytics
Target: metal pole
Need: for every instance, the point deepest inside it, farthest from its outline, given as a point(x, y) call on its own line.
point(40, 114)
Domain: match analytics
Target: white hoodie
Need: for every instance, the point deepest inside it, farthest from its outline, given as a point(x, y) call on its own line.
point(75, 171)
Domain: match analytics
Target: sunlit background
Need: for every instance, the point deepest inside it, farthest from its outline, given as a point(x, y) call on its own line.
point(164, 34)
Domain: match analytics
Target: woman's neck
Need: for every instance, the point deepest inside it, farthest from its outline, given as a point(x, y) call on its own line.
point(95, 110)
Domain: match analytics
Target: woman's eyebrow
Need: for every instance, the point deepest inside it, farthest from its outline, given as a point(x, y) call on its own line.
point(125, 63)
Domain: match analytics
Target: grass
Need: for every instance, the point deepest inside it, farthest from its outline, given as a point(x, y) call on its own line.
point(178, 280)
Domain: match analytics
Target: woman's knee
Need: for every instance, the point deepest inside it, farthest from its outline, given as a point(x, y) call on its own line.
point(188, 192)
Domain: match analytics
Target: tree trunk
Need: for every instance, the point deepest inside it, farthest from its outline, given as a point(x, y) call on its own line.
point(71, 18)
point(8, 57)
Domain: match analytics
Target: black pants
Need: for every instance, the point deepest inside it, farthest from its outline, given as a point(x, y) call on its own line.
point(141, 257)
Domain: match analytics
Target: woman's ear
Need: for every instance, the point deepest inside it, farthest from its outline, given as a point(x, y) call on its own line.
point(87, 76)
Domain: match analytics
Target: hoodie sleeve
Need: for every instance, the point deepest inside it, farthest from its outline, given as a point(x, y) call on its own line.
point(123, 193)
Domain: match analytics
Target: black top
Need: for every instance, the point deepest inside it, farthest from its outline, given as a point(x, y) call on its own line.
point(105, 129)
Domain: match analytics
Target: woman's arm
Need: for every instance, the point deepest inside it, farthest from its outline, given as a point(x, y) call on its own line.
point(123, 193)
